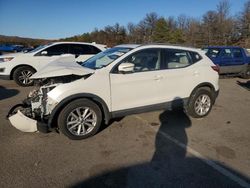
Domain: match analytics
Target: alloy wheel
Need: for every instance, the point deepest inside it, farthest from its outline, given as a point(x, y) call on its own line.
point(24, 77)
point(81, 121)
point(202, 105)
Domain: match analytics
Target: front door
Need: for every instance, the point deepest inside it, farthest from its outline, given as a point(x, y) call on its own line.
point(140, 87)
point(50, 54)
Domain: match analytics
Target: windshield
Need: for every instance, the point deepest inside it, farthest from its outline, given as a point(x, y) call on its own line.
point(105, 58)
point(38, 48)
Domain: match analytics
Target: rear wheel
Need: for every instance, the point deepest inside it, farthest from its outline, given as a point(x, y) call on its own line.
point(200, 103)
point(246, 74)
point(22, 76)
point(80, 119)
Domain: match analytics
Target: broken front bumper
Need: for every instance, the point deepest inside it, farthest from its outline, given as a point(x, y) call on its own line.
point(26, 124)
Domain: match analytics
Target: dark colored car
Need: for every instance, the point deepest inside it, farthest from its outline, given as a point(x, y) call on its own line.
point(231, 60)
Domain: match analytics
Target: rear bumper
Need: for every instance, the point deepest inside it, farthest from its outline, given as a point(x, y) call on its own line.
point(26, 124)
point(5, 77)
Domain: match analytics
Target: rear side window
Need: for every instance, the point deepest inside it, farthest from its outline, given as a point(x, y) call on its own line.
point(237, 53)
point(174, 58)
point(81, 49)
point(95, 50)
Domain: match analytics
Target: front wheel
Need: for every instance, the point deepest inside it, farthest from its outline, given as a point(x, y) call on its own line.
point(80, 119)
point(200, 103)
point(22, 76)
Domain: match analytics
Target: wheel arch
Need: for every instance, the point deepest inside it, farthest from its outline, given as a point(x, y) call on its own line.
point(16, 67)
point(52, 121)
point(205, 85)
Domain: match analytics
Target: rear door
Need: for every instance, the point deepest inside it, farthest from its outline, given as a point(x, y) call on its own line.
point(179, 76)
point(226, 60)
point(238, 60)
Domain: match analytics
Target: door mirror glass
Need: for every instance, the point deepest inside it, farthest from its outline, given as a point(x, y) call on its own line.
point(44, 53)
point(126, 67)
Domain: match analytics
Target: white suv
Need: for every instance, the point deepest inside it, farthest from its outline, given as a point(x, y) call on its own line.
point(21, 66)
point(123, 80)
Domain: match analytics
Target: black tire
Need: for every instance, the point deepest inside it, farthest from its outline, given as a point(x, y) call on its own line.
point(246, 74)
point(194, 98)
point(65, 114)
point(20, 72)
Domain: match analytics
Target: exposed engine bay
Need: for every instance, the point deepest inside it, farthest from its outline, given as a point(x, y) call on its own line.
point(35, 106)
point(33, 114)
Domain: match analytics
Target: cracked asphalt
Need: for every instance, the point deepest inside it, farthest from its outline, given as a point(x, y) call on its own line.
point(156, 149)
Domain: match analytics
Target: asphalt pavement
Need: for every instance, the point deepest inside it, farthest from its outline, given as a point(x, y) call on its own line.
point(157, 149)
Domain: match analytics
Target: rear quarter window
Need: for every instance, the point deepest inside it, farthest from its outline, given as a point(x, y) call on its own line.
point(195, 56)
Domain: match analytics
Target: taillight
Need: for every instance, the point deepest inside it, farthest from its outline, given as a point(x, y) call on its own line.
point(216, 68)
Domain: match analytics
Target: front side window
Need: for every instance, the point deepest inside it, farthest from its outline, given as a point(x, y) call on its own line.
point(38, 48)
point(57, 49)
point(174, 58)
point(145, 60)
point(212, 52)
point(105, 58)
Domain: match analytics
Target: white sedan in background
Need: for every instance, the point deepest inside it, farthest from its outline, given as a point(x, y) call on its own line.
point(21, 66)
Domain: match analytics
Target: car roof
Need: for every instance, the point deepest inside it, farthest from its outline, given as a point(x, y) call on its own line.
point(70, 42)
point(155, 45)
point(221, 47)
point(128, 45)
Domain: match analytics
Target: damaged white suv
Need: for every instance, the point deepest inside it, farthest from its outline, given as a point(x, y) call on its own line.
point(76, 99)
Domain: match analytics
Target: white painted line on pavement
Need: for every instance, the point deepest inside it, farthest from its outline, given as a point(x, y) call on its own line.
point(209, 162)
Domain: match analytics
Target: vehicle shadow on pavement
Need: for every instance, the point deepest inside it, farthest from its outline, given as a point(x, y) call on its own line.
point(245, 85)
point(171, 165)
point(7, 93)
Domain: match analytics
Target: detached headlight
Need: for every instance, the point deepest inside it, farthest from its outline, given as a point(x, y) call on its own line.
point(5, 59)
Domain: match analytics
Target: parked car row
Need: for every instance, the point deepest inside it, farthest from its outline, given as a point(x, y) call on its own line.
point(76, 93)
point(76, 98)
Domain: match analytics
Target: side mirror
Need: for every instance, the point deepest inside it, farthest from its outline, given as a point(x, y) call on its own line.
point(126, 68)
point(44, 53)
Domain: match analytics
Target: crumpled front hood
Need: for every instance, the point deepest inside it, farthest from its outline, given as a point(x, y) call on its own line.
point(63, 66)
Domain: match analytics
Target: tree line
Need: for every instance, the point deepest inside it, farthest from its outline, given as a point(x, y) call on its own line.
point(27, 42)
point(215, 27)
